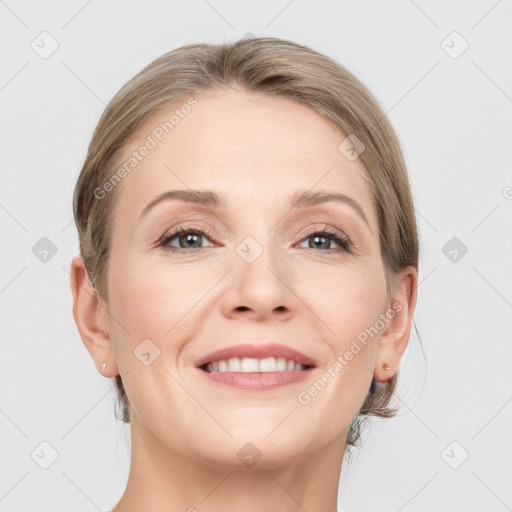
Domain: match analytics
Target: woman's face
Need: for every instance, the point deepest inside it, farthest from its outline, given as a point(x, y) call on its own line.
point(253, 270)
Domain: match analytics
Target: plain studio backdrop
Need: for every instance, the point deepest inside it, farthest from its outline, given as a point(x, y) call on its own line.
point(442, 72)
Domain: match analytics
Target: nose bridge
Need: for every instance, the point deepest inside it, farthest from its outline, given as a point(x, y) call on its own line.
point(259, 276)
point(258, 248)
point(258, 259)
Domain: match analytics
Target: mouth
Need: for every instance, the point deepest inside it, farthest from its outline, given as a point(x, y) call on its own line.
point(256, 367)
point(251, 365)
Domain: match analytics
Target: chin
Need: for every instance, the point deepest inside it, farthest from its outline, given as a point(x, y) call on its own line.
point(253, 449)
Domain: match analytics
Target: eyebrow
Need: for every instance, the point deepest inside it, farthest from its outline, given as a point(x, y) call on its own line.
point(298, 200)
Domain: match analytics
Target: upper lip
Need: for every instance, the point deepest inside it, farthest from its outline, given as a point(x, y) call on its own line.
point(257, 352)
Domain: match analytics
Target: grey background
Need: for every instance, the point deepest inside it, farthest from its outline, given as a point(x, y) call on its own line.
point(452, 113)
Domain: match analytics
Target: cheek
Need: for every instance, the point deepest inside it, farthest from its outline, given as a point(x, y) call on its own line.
point(145, 303)
point(154, 300)
point(155, 306)
point(346, 300)
point(348, 305)
point(152, 292)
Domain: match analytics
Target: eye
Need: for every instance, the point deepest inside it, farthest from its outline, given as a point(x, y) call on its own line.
point(187, 238)
point(323, 239)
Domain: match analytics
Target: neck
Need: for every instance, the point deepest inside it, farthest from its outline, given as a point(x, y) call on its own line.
point(161, 479)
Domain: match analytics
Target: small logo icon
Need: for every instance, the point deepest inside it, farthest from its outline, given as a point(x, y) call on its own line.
point(44, 455)
point(44, 250)
point(146, 352)
point(351, 147)
point(454, 45)
point(454, 250)
point(454, 455)
point(249, 454)
point(44, 45)
point(249, 249)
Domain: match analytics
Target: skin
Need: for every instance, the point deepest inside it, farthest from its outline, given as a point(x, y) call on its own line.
point(255, 151)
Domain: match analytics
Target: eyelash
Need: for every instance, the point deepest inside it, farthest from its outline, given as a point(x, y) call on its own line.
point(331, 233)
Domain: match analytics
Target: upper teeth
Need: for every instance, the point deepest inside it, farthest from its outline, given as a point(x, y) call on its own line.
point(249, 364)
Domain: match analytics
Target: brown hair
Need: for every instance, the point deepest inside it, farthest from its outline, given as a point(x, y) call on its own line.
point(275, 67)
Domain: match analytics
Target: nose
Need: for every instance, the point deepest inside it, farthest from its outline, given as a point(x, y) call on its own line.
point(261, 289)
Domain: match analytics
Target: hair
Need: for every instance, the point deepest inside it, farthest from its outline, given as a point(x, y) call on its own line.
point(274, 67)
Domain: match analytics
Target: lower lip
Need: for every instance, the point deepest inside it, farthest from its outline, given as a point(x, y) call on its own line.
point(257, 380)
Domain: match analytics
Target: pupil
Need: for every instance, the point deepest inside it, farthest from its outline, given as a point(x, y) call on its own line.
point(317, 238)
point(190, 238)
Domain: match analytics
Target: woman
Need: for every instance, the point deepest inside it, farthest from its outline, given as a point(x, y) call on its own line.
point(247, 273)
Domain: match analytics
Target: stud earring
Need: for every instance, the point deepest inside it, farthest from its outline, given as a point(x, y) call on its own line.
point(385, 366)
point(104, 366)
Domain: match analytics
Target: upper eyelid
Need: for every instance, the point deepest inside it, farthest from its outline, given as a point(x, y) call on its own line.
point(207, 231)
point(177, 230)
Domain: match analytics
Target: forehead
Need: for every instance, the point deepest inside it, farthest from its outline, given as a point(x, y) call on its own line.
point(247, 146)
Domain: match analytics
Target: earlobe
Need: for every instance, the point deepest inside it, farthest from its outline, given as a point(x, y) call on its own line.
point(395, 335)
point(87, 309)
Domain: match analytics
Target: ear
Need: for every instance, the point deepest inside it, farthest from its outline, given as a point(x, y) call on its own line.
point(90, 313)
point(395, 335)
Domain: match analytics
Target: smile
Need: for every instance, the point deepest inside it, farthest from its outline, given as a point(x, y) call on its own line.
point(250, 365)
